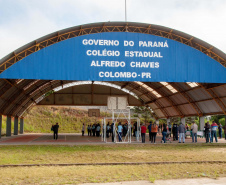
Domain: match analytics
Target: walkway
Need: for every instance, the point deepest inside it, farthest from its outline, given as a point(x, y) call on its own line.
point(200, 181)
point(75, 139)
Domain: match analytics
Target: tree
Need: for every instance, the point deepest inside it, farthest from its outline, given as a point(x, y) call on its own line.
point(142, 111)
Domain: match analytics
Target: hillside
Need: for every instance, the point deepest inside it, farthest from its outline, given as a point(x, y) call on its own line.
point(41, 118)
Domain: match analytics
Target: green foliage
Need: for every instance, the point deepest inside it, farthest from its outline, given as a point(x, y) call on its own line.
point(190, 120)
point(162, 121)
point(175, 120)
point(143, 113)
point(222, 121)
point(217, 118)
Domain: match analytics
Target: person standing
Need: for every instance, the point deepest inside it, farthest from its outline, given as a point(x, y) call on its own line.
point(207, 132)
point(98, 130)
point(164, 132)
point(175, 132)
point(149, 129)
point(55, 131)
point(94, 129)
point(182, 131)
point(108, 128)
point(220, 130)
point(120, 129)
point(170, 128)
point(112, 132)
point(224, 127)
point(186, 127)
point(154, 130)
point(143, 132)
point(83, 129)
point(89, 130)
point(135, 129)
point(214, 127)
point(194, 128)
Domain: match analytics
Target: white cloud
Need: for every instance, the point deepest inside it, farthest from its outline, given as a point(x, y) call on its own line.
point(23, 21)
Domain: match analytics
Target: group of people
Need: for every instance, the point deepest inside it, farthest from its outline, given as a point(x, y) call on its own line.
point(121, 129)
point(210, 131)
point(179, 132)
point(93, 130)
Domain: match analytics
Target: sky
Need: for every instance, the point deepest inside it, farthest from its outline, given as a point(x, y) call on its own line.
point(23, 21)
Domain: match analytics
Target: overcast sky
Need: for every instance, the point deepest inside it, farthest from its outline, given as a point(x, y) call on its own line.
point(22, 21)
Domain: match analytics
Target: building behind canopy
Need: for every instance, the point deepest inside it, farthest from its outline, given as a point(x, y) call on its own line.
point(175, 74)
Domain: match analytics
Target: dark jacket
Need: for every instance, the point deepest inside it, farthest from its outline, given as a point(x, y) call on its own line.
point(55, 128)
point(181, 128)
point(149, 127)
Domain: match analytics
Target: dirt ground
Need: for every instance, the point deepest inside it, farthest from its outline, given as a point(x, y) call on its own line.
point(199, 181)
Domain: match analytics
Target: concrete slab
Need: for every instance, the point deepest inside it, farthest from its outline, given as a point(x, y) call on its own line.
point(199, 181)
point(73, 139)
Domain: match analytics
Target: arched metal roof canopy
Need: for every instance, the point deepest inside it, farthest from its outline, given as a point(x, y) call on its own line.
point(165, 99)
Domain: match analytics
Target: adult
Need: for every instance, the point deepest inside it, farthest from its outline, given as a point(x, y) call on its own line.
point(220, 130)
point(143, 132)
point(149, 129)
point(125, 129)
point(187, 127)
point(154, 130)
point(135, 129)
point(89, 130)
point(98, 130)
point(94, 129)
point(170, 128)
point(83, 129)
point(108, 129)
point(207, 132)
point(120, 129)
point(55, 131)
point(214, 127)
point(164, 132)
point(112, 132)
point(159, 129)
point(224, 127)
point(175, 132)
point(194, 129)
point(182, 131)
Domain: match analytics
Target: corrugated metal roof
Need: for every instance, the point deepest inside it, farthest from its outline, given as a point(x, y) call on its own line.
point(220, 91)
point(209, 106)
point(187, 109)
point(164, 102)
point(159, 113)
point(171, 112)
point(153, 105)
point(199, 94)
point(178, 99)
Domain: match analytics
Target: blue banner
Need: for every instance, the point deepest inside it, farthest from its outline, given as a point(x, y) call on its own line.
point(119, 56)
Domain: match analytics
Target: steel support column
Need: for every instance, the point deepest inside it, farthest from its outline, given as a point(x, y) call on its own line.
point(15, 125)
point(182, 121)
point(201, 122)
point(8, 126)
point(21, 125)
point(0, 126)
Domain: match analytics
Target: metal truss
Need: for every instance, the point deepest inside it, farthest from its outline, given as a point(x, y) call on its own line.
point(105, 27)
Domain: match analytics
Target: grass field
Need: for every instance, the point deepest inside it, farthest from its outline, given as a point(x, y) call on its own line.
point(107, 154)
point(111, 153)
